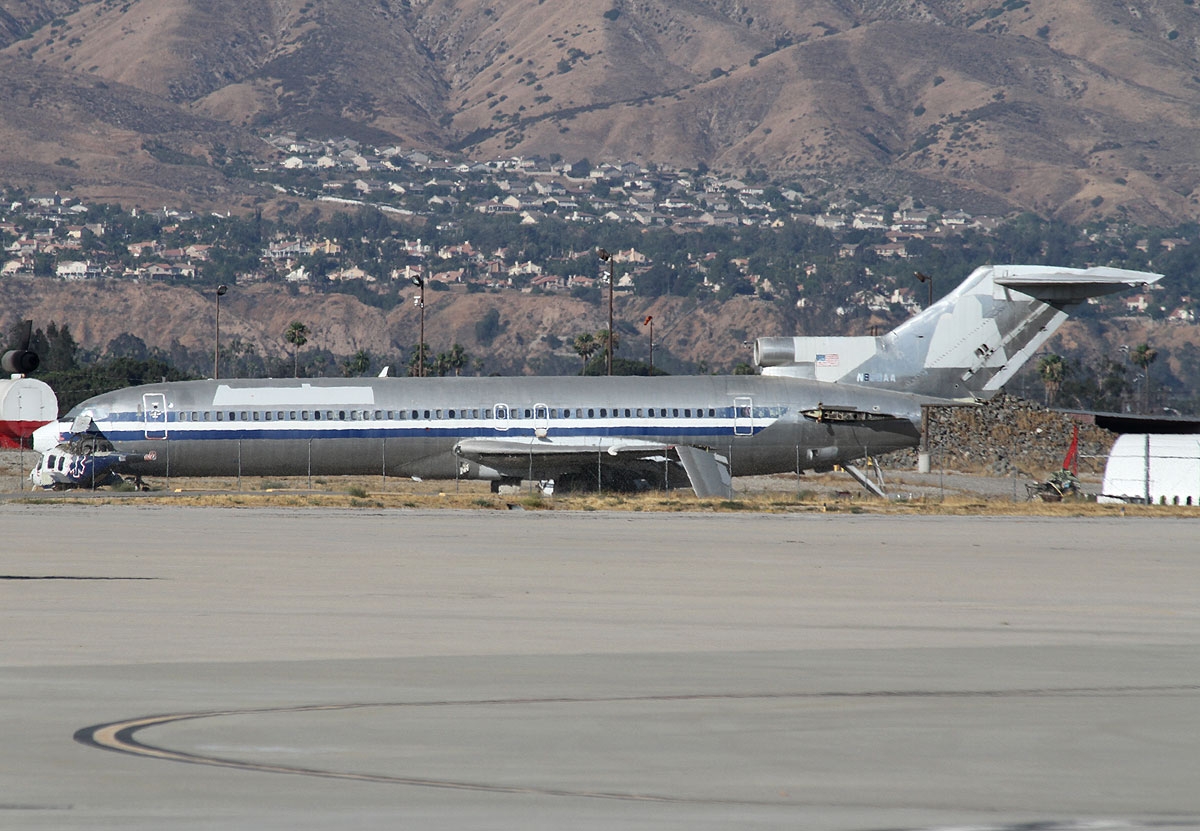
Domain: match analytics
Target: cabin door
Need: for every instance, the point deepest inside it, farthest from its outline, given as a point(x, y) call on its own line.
point(154, 412)
point(743, 414)
point(501, 419)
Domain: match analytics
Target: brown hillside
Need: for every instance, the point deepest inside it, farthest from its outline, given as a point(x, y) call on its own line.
point(160, 314)
point(1074, 108)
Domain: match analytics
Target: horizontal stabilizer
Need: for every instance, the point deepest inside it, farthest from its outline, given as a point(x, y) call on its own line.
point(1057, 285)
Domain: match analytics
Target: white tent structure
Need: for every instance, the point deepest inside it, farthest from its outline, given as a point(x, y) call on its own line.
point(1153, 468)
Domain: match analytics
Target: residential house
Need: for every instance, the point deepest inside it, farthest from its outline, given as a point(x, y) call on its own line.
point(78, 270)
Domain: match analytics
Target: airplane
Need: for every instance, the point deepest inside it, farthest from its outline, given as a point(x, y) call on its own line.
point(817, 403)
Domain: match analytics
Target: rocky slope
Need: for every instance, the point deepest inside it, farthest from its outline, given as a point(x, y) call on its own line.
point(1074, 108)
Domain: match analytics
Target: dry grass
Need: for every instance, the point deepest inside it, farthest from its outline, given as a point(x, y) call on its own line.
point(372, 493)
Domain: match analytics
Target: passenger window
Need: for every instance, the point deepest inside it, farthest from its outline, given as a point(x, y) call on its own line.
point(591, 413)
point(603, 412)
point(220, 416)
point(427, 414)
point(639, 412)
point(452, 414)
point(292, 415)
point(304, 415)
point(256, 415)
point(627, 412)
point(487, 413)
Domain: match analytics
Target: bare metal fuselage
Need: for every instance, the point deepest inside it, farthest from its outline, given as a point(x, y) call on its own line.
point(413, 426)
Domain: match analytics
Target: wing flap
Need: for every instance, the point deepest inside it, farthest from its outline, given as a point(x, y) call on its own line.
point(526, 458)
point(708, 472)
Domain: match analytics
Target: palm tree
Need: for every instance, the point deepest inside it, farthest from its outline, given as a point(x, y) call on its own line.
point(441, 364)
point(357, 365)
point(1051, 369)
point(1143, 356)
point(419, 353)
point(585, 347)
point(297, 335)
point(602, 339)
point(457, 358)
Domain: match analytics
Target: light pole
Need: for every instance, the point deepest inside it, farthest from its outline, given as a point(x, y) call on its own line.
point(221, 289)
point(419, 282)
point(923, 452)
point(649, 321)
point(1124, 350)
point(925, 278)
point(605, 257)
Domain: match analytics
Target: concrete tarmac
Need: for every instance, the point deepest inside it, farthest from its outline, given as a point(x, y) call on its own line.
point(183, 668)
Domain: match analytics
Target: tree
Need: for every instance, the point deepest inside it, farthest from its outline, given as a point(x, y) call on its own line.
point(487, 327)
point(602, 337)
point(414, 362)
point(1051, 369)
point(297, 335)
point(1142, 357)
point(457, 358)
point(441, 364)
point(585, 347)
point(583, 167)
point(127, 345)
point(357, 364)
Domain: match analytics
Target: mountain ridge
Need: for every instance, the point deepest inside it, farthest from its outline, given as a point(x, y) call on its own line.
point(1075, 110)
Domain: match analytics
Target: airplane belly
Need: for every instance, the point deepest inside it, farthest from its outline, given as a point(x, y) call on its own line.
point(294, 457)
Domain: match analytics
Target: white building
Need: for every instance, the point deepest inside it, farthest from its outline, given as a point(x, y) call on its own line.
point(1153, 468)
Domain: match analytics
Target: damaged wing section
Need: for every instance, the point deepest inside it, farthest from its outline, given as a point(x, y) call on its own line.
point(707, 472)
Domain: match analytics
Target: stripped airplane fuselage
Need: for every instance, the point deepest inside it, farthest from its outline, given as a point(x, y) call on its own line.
point(494, 428)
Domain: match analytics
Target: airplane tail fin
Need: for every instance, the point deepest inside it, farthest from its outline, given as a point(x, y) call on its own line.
point(964, 347)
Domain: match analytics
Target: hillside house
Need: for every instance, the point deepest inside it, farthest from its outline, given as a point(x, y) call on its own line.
point(78, 270)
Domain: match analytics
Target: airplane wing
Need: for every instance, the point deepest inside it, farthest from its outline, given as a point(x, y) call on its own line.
point(540, 458)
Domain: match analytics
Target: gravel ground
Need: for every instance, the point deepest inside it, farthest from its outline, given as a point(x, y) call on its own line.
point(898, 483)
